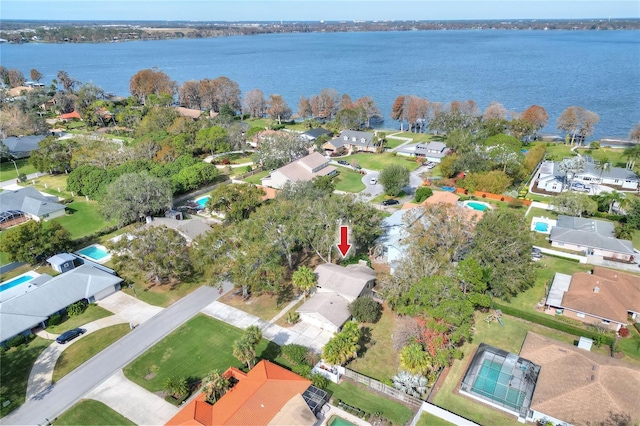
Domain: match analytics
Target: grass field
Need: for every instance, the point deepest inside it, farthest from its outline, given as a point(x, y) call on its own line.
point(379, 361)
point(83, 218)
point(50, 184)
point(263, 306)
point(91, 413)
point(379, 161)
point(348, 180)
point(8, 169)
point(359, 397)
point(86, 348)
point(92, 313)
point(427, 419)
point(199, 346)
point(16, 365)
point(158, 295)
point(257, 178)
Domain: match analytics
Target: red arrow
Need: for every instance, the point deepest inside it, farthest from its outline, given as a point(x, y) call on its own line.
point(344, 245)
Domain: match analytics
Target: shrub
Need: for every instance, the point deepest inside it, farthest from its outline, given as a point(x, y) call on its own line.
point(303, 370)
point(319, 381)
point(365, 309)
point(292, 317)
point(637, 326)
point(295, 354)
point(422, 194)
point(55, 319)
point(16, 341)
point(623, 332)
point(248, 169)
point(76, 309)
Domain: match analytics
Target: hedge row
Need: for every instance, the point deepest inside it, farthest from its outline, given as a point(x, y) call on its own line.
point(556, 325)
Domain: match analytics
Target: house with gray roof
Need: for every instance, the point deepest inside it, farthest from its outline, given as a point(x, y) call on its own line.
point(551, 178)
point(432, 151)
point(304, 169)
point(190, 228)
point(28, 202)
point(590, 236)
point(350, 141)
point(36, 300)
point(21, 146)
point(313, 134)
point(337, 287)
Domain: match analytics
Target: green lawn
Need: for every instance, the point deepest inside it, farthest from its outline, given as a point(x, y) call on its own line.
point(348, 180)
point(157, 295)
point(50, 185)
point(8, 169)
point(91, 413)
point(200, 345)
point(16, 365)
point(83, 218)
point(257, 178)
point(359, 397)
point(379, 361)
point(538, 212)
point(379, 161)
point(85, 348)
point(92, 313)
point(427, 419)
point(4, 258)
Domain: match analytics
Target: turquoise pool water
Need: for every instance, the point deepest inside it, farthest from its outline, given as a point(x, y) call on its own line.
point(493, 383)
point(202, 202)
point(17, 281)
point(94, 252)
point(542, 227)
point(339, 421)
point(477, 206)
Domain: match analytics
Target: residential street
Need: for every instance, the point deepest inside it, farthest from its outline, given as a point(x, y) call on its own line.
point(54, 401)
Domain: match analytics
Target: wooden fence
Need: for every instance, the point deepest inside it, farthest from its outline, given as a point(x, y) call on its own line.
point(381, 387)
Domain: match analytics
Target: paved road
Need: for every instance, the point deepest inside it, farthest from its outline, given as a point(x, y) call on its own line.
point(13, 181)
point(74, 386)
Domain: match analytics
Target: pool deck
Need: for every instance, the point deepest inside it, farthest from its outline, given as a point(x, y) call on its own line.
point(335, 411)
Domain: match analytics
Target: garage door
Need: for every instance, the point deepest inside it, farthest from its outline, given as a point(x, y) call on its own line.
point(104, 293)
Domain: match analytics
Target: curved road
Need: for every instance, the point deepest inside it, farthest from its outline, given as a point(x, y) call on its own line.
point(59, 397)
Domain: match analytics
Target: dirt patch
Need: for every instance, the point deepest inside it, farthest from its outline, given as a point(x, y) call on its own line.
point(150, 376)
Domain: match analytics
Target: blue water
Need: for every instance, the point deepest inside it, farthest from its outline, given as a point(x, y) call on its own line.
point(202, 202)
point(15, 282)
point(597, 70)
point(541, 227)
point(93, 252)
point(448, 188)
point(477, 206)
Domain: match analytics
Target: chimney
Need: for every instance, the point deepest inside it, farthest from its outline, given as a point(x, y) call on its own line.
point(596, 289)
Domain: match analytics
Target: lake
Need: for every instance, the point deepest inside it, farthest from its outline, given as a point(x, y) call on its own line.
point(597, 70)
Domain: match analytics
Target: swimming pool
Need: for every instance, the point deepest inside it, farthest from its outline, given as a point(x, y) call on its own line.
point(202, 202)
point(339, 421)
point(495, 384)
point(16, 281)
point(448, 188)
point(476, 205)
point(95, 252)
point(541, 227)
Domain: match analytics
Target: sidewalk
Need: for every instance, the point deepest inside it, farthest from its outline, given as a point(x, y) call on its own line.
point(301, 333)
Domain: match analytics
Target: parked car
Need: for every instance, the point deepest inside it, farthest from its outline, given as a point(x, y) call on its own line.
point(536, 254)
point(343, 162)
point(390, 202)
point(373, 181)
point(70, 335)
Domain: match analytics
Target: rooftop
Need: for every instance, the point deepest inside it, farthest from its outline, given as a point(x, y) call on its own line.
point(589, 232)
point(29, 200)
point(348, 281)
point(578, 386)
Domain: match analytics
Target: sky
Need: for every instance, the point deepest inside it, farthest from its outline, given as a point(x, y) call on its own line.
point(314, 10)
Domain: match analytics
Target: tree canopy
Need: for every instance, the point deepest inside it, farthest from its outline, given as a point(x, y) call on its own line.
point(35, 241)
point(235, 201)
point(393, 178)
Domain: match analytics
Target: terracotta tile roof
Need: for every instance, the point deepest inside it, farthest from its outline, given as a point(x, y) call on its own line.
point(578, 386)
point(617, 292)
point(189, 112)
point(256, 399)
point(70, 115)
point(269, 193)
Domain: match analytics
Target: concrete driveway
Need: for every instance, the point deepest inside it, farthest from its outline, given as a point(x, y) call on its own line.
point(370, 191)
point(132, 401)
point(128, 307)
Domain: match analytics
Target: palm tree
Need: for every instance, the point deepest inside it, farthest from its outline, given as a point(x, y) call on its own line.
point(632, 153)
point(215, 386)
point(244, 351)
point(604, 166)
point(414, 359)
point(612, 198)
point(304, 279)
point(253, 334)
point(411, 384)
point(624, 232)
point(176, 386)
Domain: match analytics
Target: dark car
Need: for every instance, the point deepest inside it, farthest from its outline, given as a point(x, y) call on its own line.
point(390, 202)
point(69, 335)
point(343, 162)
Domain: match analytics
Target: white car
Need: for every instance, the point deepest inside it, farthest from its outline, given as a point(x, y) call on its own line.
point(373, 181)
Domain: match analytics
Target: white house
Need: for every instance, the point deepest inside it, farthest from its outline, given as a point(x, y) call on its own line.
point(337, 287)
point(350, 140)
point(551, 179)
point(28, 203)
point(304, 169)
point(432, 151)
